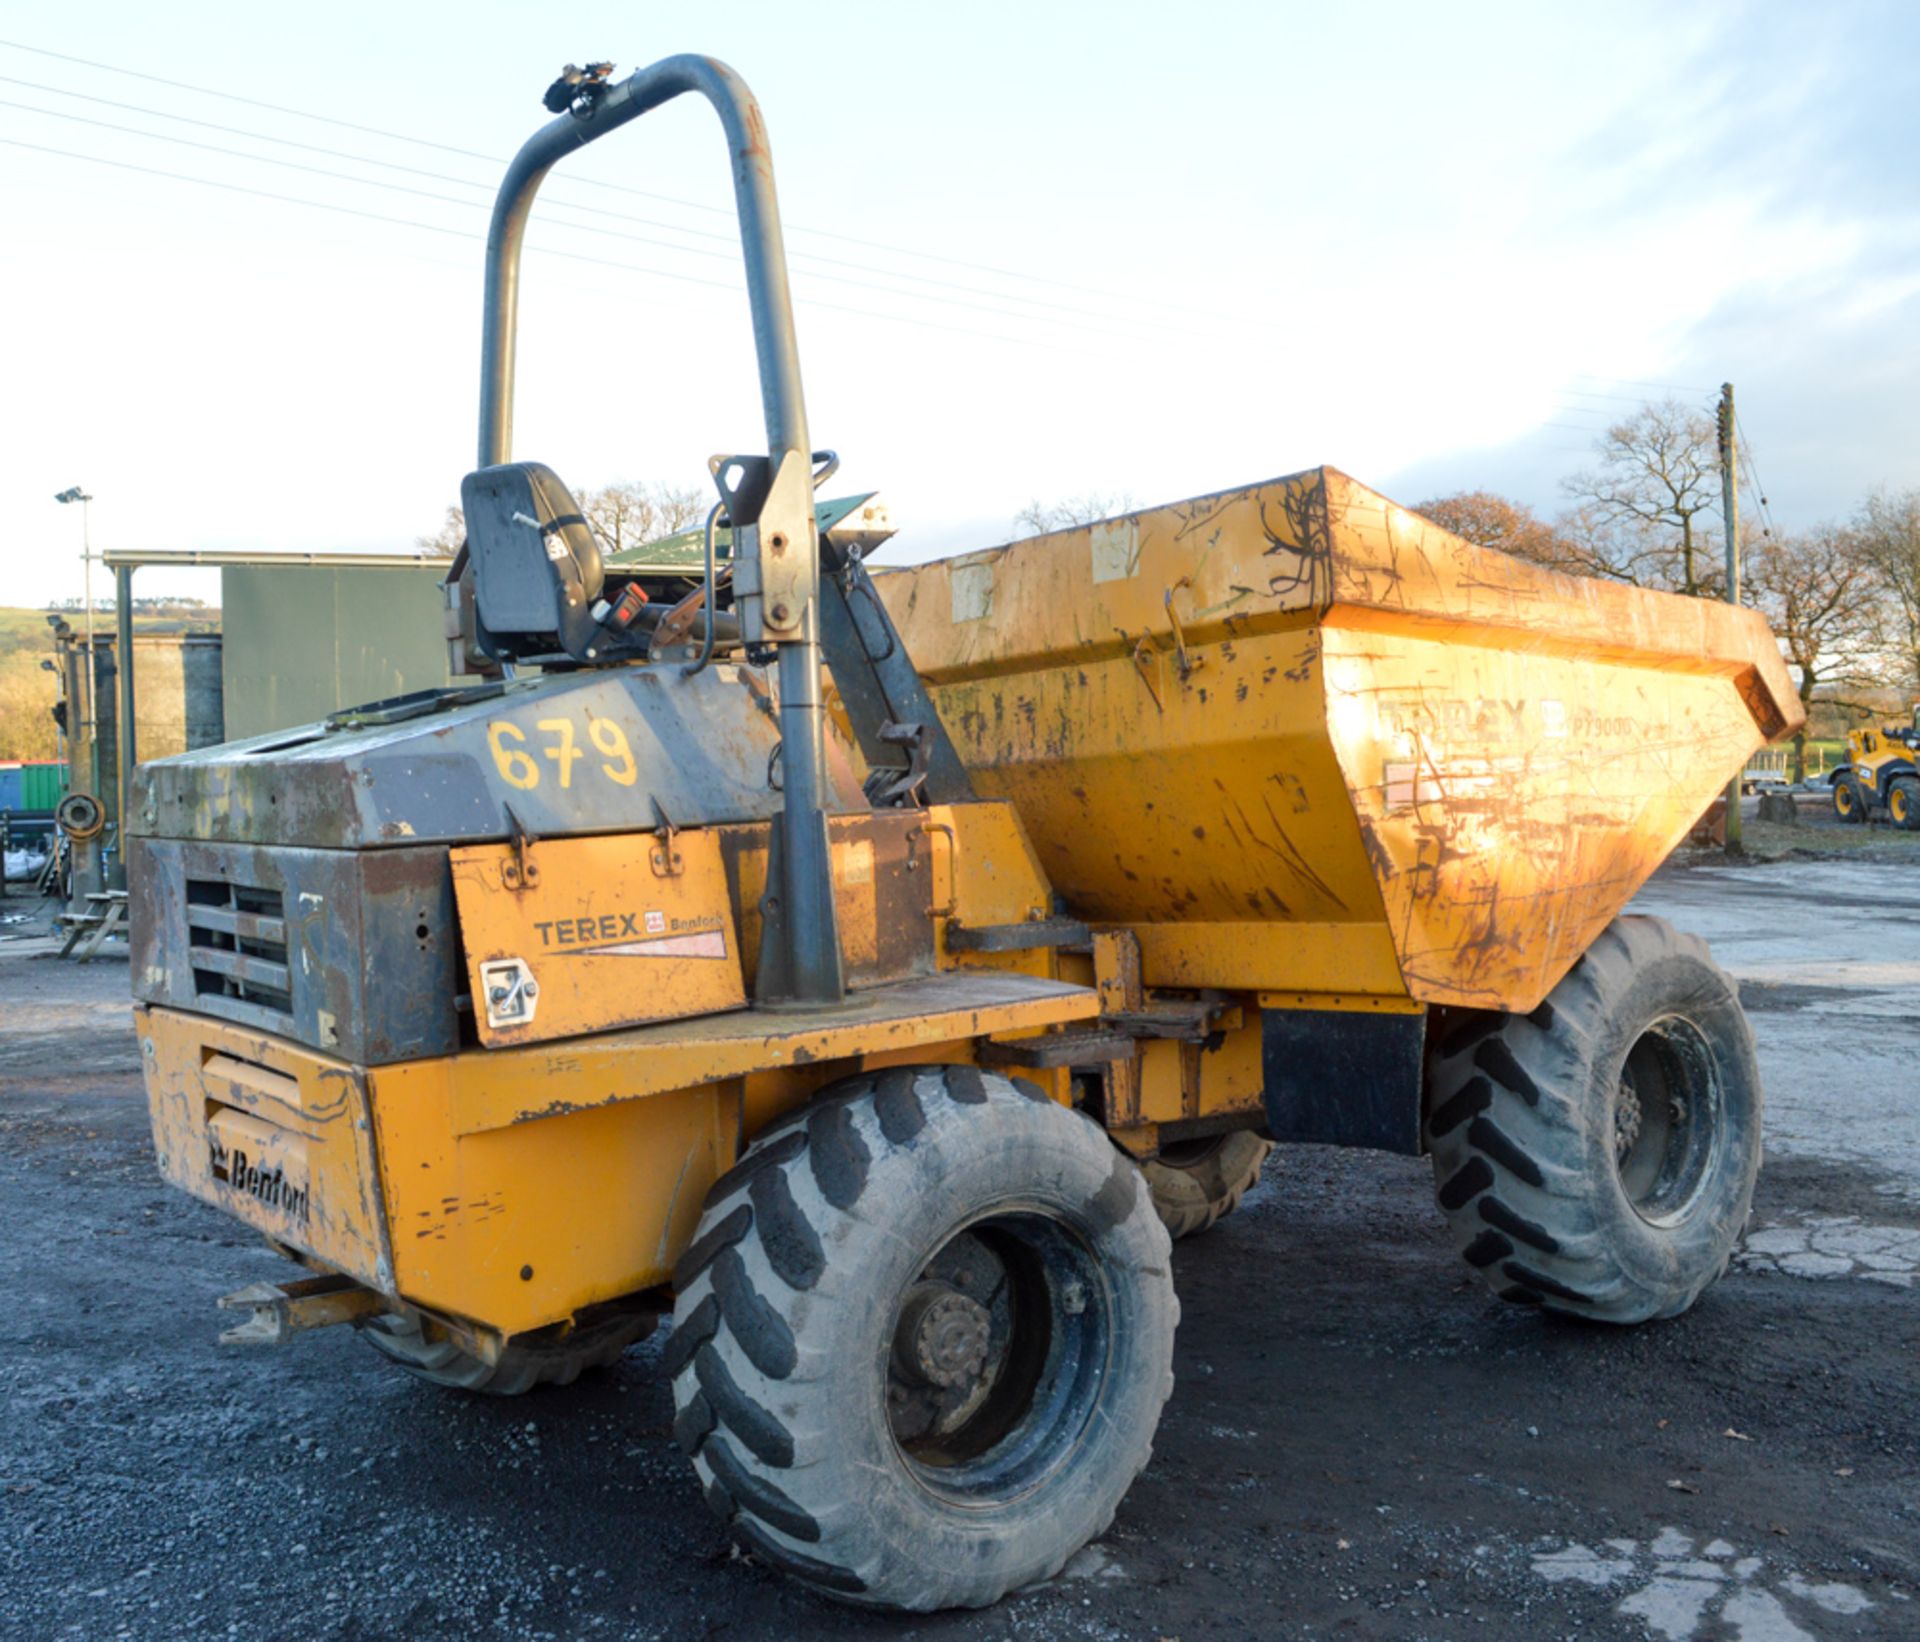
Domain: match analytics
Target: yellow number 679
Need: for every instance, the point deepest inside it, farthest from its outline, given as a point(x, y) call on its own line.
point(517, 767)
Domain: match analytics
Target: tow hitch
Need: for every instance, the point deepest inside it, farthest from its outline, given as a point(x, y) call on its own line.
point(278, 1311)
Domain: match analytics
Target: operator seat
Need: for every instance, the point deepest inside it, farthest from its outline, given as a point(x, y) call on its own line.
point(537, 571)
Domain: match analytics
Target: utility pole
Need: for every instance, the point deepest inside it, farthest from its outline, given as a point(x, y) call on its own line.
point(1730, 514)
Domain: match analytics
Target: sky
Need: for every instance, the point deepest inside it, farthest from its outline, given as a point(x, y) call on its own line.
point(1039, 251)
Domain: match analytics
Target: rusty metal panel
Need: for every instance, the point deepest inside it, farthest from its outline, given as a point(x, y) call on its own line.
point(367, 940)
point(580, 935)
point(275, 1136)
point(516, 1228)
point(1513, 801)
point(883, 879)
point(515, 1186)
point(568, 753)
point(1298, 739)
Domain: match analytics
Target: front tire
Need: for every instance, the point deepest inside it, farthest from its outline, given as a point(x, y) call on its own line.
point(1598, 1156)
point(1903, 803)
point(922, 1339)
point(1849, 801)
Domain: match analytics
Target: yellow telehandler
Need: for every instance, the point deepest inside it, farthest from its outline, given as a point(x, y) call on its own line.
point(697, 953)
point(1880, 773)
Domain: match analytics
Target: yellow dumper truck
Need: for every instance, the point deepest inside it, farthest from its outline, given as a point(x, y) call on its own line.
point(872, 970)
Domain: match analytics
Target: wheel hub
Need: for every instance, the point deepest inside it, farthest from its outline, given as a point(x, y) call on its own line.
point(1666, 1119)
point(943, 1336)
point(1626, 1119)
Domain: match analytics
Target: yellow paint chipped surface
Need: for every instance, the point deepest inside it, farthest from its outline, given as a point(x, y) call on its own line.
point(1300, 740)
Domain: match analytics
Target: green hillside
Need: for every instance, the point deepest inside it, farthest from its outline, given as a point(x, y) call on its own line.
point(28, 692)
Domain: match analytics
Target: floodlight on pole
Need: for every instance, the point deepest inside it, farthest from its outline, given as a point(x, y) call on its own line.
point(73, 493)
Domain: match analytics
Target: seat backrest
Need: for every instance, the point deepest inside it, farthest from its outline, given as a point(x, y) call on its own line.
point(536, 565)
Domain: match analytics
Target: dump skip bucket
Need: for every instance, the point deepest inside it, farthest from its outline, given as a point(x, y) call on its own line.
point(1303, 741)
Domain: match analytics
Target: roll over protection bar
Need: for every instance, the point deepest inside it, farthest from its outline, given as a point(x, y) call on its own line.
point(760, 240)
point(770, 505)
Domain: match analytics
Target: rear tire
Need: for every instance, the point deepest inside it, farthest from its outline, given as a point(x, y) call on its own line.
point(1849, 800)
point(922, 1339)
point(1903, 803)
point(1198, 1183)
point(526, 1362)
point(1598, 1156)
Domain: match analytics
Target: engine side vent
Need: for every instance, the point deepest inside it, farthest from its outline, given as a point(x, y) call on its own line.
point(237, 943)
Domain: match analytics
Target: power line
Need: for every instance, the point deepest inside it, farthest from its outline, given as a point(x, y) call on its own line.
point(1753, 470)
point(594, 182)
point(543, 250)
point(241, 154)
point(1622, 398)
point(728, 239)
point(250, 102)
point(581, 227)
point(1629, 382)
point(258, 193)
point(241, 131)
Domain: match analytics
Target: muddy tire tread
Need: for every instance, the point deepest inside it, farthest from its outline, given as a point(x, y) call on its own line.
point(1190, 1200)
point(735, 1386)
point(1509, 1141)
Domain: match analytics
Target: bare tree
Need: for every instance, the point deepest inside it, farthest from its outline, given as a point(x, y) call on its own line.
point(1038, 518)
point(623, 515)
point(445, 542)
point(1820, 593)
point(630, 512)
point(1645, 506)
point(1889, 533)
point(1488, 520)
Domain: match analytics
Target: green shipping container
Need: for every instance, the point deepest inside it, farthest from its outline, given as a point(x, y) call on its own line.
point(42, 786)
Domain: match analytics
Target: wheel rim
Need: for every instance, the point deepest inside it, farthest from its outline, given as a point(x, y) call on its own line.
point(1843, 800)
point(1666, 1124)
point(996, 1357)
point(1901, 805)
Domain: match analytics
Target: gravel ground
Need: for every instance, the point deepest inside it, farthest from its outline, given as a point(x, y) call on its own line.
point(1360, 1442)
point(1817, 833)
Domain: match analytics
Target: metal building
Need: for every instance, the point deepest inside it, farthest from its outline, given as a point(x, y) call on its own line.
point(305, 640)
point(302, 636)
